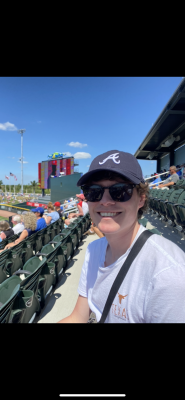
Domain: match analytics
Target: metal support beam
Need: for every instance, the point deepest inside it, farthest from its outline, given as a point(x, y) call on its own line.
point(171, 157)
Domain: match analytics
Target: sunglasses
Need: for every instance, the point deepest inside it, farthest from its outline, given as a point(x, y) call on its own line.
point(119, 192)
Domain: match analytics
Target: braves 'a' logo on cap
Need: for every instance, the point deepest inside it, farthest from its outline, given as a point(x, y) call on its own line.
point(111, 157)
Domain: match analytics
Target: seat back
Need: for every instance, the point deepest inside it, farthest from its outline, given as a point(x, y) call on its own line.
point(12, 238)
point(165, 197)
point(9, 290)
point(3, 257)
point(180, 210)
point(34, 265)
point(180, 184)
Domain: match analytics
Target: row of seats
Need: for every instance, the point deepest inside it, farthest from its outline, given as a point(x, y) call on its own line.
point(30, 270)
point(143, 221)
point(169, 205)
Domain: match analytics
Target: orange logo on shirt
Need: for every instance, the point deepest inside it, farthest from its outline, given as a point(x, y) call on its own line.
point(121, 297)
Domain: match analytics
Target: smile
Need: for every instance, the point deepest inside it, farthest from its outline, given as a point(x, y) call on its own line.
point(103, 214)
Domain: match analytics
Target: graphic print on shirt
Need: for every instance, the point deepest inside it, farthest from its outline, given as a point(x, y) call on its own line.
point(111, 157)
point(120, 311)
point(121, 297)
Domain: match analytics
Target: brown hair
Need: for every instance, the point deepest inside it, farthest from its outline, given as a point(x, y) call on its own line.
point(142, 188)
point(50, 205)
point(4, 226)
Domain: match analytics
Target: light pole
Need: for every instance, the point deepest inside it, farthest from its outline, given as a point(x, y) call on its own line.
point(21, 131)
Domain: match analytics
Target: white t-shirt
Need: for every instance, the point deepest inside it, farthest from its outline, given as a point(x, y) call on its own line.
point(153, 289)
point(85, 207)
point(18, 228)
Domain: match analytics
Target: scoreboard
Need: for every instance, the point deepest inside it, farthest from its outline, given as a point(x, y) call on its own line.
point(54, 167)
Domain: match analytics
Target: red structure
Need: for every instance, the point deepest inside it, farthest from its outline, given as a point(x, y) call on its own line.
point(54, 167)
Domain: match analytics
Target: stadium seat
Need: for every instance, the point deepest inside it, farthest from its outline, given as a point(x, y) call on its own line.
point(54, 253)
point(27, 306)
point(24, 250)
point(47, 281)
point(179, 212)
point(35, 240)
point(68, 240)
point(143, 221)
point(3, 264)
point(9, 290)
point(180, 184)
point(45, 236)
point(173, 199)
point(76, 229)
point(156, 200)
point(154, 230)
point(163, 202)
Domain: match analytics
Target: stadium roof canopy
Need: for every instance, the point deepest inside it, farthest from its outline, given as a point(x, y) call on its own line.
point(168, 132)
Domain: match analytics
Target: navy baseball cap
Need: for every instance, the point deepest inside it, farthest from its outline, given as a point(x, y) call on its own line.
point(123, 163)
point(38, 209)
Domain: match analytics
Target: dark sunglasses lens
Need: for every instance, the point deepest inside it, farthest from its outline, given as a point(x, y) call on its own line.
point(121, 192)
point(93, 193)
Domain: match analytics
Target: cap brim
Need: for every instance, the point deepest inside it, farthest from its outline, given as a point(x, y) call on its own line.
point(127, 174)
point(33, 210)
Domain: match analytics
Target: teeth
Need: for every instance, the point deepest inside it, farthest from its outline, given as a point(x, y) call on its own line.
point(108, 214)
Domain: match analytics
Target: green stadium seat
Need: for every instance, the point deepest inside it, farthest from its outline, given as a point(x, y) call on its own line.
point(179, 212)
point(173, 199)
point(27, 306)
point(54, 253)
point(9, 290)
point(180, 184)
point(143, 221)
point(154, 230)
point(162, 203)
point(3, 264)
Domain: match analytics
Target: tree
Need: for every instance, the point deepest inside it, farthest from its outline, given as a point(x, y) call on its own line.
point(1, 183)
point(18, 188)
point(34, 185)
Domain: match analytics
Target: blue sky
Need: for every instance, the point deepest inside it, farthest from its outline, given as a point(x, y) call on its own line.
point(81, 116)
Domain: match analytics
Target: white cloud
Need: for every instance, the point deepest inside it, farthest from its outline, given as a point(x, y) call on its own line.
point(88, 166)
point(11, 157)
point(76, 144)
point(82, 155)
point(7, 126)
point(68, 154)
point(24, 162)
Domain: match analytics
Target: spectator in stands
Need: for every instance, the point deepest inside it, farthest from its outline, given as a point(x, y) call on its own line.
point(81, 198)
point(30, 224)
point(58, 209)
point(172, 180)
point(153, 289)
point(179, 172)
point(163, 177)
point(81, 212)
point(52, 215)
point(41, 223)
point(18, 224)
point(6, 230)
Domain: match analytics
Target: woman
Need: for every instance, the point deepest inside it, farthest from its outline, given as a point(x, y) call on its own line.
point(52, 214)
point(6, 230)
point(30, 222)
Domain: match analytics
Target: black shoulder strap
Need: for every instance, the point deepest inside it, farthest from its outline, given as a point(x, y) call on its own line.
point(123, 271)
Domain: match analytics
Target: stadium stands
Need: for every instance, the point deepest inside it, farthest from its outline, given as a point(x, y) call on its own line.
point(30, 269)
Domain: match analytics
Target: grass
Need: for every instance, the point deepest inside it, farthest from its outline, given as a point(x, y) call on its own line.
point(3, 218)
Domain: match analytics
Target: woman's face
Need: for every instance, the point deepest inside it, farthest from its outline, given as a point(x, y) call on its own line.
point(124, 213)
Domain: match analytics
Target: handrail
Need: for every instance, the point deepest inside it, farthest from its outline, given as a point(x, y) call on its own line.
point(9, 205)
